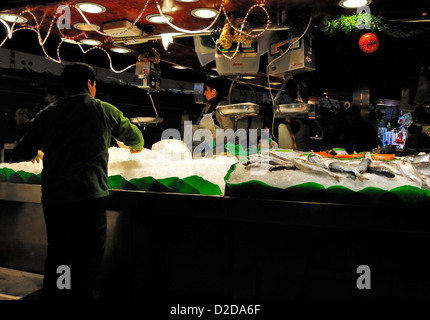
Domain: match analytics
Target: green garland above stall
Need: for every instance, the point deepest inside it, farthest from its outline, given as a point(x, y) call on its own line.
point(349, 25)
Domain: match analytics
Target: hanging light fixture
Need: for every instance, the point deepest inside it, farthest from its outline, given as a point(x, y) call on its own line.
point(90, 7)
point(352, 4)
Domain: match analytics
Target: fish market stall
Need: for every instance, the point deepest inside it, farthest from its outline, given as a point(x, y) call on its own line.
point(357, 178)
point(280, 226)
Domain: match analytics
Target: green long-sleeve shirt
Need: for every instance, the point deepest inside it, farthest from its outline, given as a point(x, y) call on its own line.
point(75, 134)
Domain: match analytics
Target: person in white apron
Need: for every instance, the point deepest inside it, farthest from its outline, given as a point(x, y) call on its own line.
point(210, 118)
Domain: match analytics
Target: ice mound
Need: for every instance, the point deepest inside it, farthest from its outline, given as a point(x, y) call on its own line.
point(172, 149)
point(168, 158)
point(28, 166)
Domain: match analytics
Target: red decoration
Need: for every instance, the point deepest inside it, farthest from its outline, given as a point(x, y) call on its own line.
point(369, 43)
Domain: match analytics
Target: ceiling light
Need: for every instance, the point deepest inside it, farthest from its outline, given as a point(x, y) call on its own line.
point(120, 50)
point(176, 66)
point(157, 18)
point(248, 77)
point(275, 83)
point(69, 41)
point(354, 3)
point(91, 42)
point(204, 13)
point(85, 26)
point(10, 17)
point(90, 7)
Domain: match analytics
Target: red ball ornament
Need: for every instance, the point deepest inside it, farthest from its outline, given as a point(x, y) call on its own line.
point(369, 43)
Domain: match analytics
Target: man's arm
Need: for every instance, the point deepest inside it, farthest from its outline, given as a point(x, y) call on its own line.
point(126, 132)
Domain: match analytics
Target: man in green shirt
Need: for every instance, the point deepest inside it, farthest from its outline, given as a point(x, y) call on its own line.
point(74, 135)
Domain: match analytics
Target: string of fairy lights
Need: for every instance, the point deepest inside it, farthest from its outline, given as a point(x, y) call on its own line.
point(64, 38)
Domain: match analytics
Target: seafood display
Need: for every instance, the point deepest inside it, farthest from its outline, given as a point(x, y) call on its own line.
point(356, 174)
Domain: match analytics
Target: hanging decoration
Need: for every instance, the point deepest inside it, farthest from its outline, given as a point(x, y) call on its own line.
point(369, 42)
point(229, 36)
point(351, 25)
point(240, 34)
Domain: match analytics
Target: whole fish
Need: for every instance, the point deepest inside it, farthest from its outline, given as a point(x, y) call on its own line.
point(418, 158)
point(307, 166)
point(270, 163)
point(338, 166)
point(408, 170)
point(318, 160)
point(423, 168)
point(381, 171)
point(282, 167)
point(249, 161)
point(363, 165)
point(391, 166)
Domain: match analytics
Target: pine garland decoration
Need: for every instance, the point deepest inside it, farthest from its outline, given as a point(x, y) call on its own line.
point(349, 25)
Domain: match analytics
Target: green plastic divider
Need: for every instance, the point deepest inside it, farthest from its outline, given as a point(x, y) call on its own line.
point(204, 186)
point(190, 185)
point(313, 192)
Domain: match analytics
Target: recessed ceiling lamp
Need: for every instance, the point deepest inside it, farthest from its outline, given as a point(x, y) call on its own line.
point(69, 41)
point(10, 17)
point(90, 7)
point(91, 42)
point(120, 50)
point(248, 77)
point(349, 4)
point(85, 27)
point(157, 18)
point(274, 83)
point(204, 13)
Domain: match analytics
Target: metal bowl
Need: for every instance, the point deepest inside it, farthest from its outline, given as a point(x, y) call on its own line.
point(239, 110)
point(142, 121)
point(291, 109)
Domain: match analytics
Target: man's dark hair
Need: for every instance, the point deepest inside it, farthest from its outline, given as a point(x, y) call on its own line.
point(75, 77)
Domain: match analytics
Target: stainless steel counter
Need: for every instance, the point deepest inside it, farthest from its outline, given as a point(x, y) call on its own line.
point(165, 245)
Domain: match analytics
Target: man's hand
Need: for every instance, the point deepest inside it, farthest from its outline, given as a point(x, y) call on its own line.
point(38, 158)
point(135, 151)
